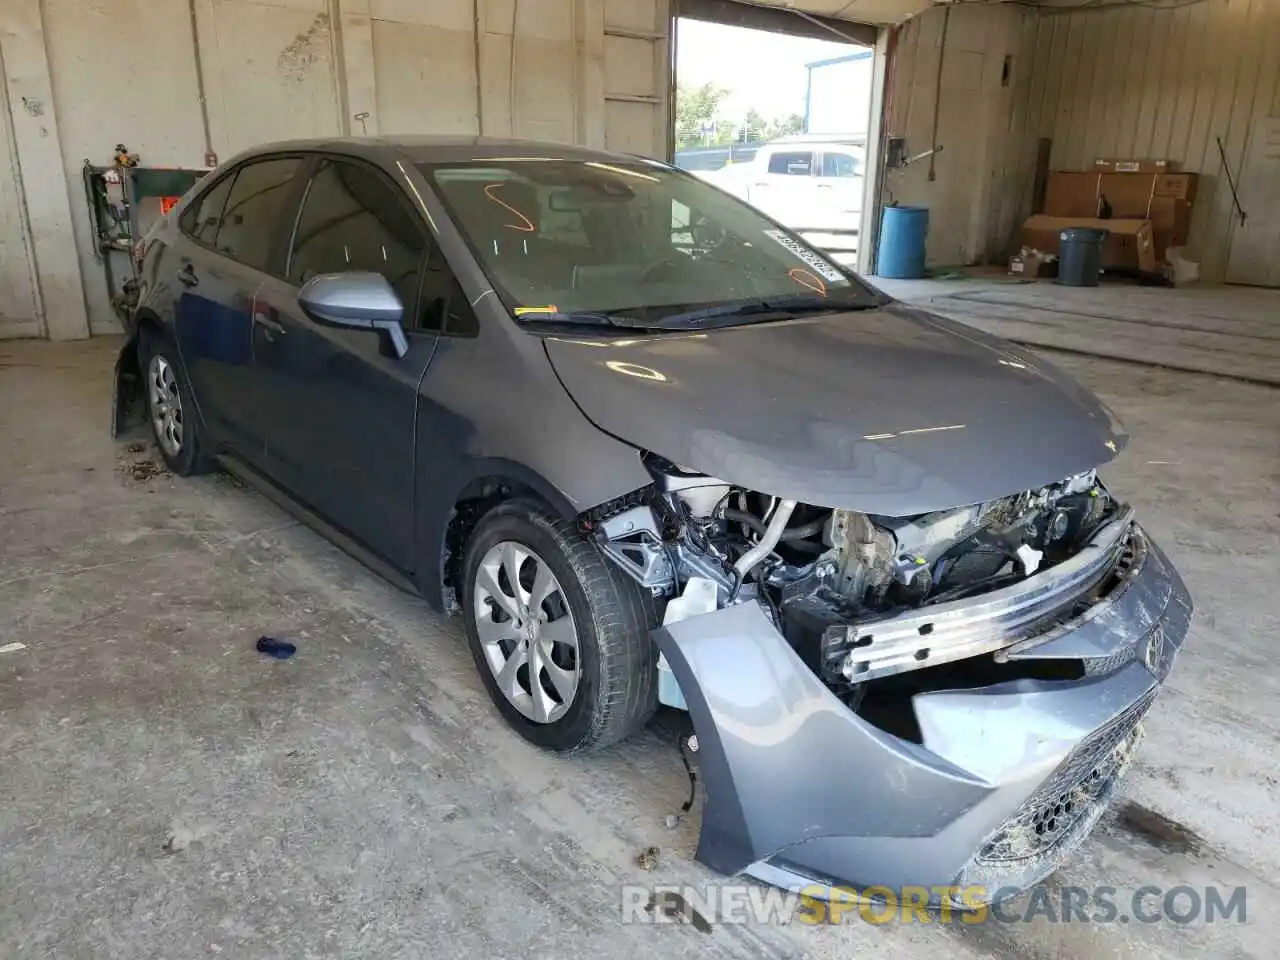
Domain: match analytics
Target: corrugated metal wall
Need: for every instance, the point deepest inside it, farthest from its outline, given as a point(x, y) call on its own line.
point(1135, 81)
point(950, 63)
point(134, 72)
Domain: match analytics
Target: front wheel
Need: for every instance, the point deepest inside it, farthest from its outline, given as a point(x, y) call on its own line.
point(559, 634)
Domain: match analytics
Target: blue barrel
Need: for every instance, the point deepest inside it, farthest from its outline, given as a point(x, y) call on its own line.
point(901, 251)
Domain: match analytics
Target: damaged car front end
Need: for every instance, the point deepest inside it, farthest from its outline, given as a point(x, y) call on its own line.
point(946, 700)
point(652, 446)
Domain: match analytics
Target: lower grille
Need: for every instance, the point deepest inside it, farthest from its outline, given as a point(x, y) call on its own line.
point(1058, 815)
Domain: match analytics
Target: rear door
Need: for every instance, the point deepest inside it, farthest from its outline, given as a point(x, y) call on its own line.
point(339, 409)
point(784, 187)
point(229, 235)
point(840, 186)
point(837, 216)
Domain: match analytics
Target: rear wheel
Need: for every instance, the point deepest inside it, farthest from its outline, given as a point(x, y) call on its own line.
point(170, 408)
point(560, 636)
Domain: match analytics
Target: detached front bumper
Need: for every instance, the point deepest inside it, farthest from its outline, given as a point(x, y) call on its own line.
point(1008, 778)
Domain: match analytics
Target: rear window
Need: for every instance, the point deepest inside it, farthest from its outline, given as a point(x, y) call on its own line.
point(840, 165)
point(201, 219)
point(795, 163)
point(255, 209)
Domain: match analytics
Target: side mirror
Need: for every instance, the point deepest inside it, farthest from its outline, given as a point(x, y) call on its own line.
point(357, 300)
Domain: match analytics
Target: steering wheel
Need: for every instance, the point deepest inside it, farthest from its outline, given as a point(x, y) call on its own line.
point(707, 234)
point(676, 260)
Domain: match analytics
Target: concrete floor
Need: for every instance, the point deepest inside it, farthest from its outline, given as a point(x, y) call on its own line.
point(1229, 331)
point(165, 791)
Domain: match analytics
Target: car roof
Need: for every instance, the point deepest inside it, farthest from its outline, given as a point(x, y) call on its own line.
point(789, 143)
point(441, 149)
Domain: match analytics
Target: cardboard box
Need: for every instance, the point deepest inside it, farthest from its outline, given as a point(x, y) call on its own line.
point(1071, 194)
point(1129, 194)
point(1129, 245)
point(1031, 264)
point(1078, 194)
point(1129, 165)
point(1172, 216)
point(1170, 224)
point(1177, 186)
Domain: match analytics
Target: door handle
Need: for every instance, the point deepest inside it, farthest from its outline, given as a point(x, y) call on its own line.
point(187, 275)
point(271, 329)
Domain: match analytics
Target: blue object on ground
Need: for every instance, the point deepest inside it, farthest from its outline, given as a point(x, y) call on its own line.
point(901, 249)
point(280, 649)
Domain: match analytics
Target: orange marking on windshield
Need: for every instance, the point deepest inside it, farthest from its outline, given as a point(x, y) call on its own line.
point(808, 279)
point(526, 226)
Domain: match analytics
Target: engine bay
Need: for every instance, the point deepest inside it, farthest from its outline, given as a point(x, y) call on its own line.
point(863, 597)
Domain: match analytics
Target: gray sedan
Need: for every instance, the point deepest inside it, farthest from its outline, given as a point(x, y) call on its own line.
point(654, 448)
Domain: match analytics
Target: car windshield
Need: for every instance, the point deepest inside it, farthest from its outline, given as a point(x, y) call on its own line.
point(632, 242)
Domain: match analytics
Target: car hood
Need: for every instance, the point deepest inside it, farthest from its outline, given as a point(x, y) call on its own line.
point(890, 411)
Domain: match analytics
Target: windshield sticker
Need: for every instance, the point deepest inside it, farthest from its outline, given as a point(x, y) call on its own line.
point(522, 311)
point(809, 279)
point(820, 265)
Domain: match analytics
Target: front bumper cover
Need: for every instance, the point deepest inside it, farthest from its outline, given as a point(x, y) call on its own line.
point(1008, 778)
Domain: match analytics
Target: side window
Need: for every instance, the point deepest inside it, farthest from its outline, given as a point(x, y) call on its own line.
point(839, 165)
point(201, 219)
point(681, 218)
point(354, 219)
point(252, 216)
point(444, 306)
point(795, 163)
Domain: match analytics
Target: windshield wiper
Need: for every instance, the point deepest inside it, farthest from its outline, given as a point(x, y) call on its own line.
point(584, 318)
point(781, 307)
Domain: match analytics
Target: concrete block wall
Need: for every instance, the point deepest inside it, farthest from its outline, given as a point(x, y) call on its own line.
point(177, 79)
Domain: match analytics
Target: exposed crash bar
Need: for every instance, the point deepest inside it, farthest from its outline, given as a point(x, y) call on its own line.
point(969, 627)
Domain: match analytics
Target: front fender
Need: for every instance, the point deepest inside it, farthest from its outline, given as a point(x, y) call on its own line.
point(128, 404)
point(440, 499)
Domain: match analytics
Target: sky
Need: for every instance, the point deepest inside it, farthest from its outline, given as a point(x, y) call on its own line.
point(735, 58)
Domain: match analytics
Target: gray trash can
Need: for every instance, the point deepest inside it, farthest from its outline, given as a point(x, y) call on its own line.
point(1080, 256)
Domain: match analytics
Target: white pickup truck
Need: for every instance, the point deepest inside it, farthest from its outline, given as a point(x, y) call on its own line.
point(809, 185)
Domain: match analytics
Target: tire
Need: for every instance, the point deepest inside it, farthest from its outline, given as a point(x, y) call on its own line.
point(610, 615)
point(163, 379)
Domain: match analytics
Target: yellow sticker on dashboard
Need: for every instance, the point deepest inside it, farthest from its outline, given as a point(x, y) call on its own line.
point(521, 311)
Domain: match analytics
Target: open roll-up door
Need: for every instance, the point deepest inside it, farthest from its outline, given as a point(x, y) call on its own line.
point(855, 21)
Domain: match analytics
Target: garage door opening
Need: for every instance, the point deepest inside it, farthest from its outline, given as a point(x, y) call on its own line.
point(779, 119)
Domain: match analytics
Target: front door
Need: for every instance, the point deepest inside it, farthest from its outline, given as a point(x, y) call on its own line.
point(339, 408)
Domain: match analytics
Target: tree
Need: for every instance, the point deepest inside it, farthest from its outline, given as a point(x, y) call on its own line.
point(696, 120)
point(754, 126)
point(786, 126)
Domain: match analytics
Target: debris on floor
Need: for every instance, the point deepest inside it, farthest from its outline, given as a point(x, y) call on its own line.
point(144, 470)
point(1157, 829)
point(13, 647)
point(668, 903)
point(182, 837)
point(280, 649)
point(647, 859)
point(137, 462)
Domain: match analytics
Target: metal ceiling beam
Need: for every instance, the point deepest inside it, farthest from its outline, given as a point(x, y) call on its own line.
point(776, 19)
